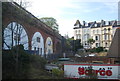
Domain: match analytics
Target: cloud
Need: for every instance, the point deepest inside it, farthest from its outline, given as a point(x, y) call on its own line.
point(95, 0)
point(66, 12)
point(112, 6)
point(45, 8)
point(66, 26)
point(57, 8)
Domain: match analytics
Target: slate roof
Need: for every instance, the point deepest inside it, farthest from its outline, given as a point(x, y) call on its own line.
point(95, 24)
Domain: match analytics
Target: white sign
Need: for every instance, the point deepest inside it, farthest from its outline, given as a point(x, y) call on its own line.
point(103, 71)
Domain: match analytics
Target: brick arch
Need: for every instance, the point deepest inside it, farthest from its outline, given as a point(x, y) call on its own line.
point(7, 20)
point(30, 26)
point(37, 43)
point(25, 33)
point(30, 30)
point(49, 45)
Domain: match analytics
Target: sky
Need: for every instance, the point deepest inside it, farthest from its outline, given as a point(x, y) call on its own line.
point(66, 12)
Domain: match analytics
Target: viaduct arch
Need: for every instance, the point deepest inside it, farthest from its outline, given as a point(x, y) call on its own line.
point(12, 12)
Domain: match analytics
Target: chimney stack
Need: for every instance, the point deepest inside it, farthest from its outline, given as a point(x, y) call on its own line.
point(102, 23)
point(83, 23)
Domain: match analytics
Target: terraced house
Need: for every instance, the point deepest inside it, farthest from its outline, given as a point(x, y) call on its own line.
point(102, 32)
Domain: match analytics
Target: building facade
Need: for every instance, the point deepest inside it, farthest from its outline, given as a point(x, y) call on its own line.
point(102, 32)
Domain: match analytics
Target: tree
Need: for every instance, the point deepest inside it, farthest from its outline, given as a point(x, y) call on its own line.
point(51, 22)
point(77, 45)
point(73, 45)
point(16, 36)
point(13, 36)
point(91, 41)
point(29, 66)
point(69, 45)
point(23, 3)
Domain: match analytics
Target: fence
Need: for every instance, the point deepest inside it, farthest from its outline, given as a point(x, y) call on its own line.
point(46, 56)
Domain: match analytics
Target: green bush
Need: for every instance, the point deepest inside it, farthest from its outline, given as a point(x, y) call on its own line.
point(99, 49)
point(57, 73)
point(93, 50)
point(17, 64)
point(37, 61)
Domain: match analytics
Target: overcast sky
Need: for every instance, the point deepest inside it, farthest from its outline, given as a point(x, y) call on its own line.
point(66, 12)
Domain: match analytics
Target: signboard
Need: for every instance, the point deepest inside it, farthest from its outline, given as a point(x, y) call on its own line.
point(103, 71)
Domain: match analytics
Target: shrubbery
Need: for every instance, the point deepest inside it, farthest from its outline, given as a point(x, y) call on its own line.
point(97, 50)
point(57, 73)
point(17, 64)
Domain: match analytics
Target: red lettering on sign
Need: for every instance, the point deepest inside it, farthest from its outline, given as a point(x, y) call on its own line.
point(86, 72)
point(82, 71)
point(97, 71)
point(108, 73)
point(102, 72)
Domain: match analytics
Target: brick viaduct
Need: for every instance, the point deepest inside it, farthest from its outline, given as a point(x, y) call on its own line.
point(12, 12)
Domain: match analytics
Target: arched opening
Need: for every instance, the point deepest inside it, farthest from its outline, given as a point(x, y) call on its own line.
point(14, 34)
point(49, 46)
point(38, 43)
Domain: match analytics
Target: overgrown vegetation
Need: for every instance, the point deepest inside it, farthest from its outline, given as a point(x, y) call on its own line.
point(73, 45)
point(96, 50)
point(56, 73)
point(51, 22)
point(77, 45)
point(17, 64)
point(90, 42)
